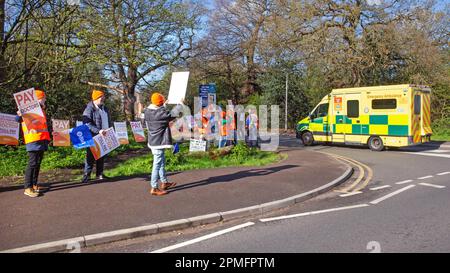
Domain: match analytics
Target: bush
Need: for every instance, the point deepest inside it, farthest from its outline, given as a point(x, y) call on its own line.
point(441, 129)
point(241, 151)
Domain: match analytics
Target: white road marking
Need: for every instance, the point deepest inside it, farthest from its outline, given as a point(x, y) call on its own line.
point(374, 202)
point(379, 188)
point(404, 182)
point(438, 151)
point(350, 194)
point(444, 173)
point(432, 185)
point(425, 177)
point(429, 154)
point(436, 146)
point(206, 237)
point(311, 213)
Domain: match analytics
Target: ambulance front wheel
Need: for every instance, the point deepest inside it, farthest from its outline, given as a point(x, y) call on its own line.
point(307, 138)
point(376, 144)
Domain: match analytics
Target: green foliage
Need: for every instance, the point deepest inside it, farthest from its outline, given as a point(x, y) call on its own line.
point(241, 151)
point(182, 161)
point(14, 159)
point(273, 85)
point(441, 129)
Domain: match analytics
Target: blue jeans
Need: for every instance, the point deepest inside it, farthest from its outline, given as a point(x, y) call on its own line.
point(159, 168)
point(222, 141)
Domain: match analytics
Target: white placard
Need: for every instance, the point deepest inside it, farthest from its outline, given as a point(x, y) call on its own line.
point(196, 145)
point(121, 132)
point(138, 131)
point(178, 86)
point(105, 144)
point(9, 130)
point(31, 110)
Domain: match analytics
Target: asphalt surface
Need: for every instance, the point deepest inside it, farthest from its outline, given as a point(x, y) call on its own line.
point(71, 210)
point(404, 208)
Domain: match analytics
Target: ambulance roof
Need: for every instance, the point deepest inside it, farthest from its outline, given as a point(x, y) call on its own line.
point(379, 88)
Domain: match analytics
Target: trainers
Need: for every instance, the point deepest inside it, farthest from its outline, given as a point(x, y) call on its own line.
point(157, 191)
point(30, 192)
point(102, 177)
point(86, 178)
point(39, 189)
point(167, 185)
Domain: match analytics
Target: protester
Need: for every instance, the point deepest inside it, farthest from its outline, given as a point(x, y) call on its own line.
point(36, 142)
point(252, 126)
point(231, 127)
point(157, 118)
point(97, 118)
point(223, 129)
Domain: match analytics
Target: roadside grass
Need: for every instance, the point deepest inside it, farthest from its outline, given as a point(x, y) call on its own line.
point(240, 155)
point(66, 163)
point(440, 137)
point(441, 130)
point(13, 160)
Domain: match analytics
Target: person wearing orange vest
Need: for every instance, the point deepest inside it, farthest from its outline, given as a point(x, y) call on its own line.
point(231, 127)
point(223, 129)
point(204, 129)
point(36, 142)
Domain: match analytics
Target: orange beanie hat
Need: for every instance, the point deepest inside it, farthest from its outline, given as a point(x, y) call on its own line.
point(96, 94)
point(157, 99)
point(40, 94)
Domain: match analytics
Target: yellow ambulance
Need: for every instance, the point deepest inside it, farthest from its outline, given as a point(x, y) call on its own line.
point(379, 116)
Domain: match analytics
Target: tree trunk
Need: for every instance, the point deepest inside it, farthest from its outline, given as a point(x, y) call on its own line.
point(129, 102)
point(2, 41)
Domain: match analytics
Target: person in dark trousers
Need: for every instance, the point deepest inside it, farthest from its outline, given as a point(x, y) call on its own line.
point(157, 119)
point(36, 142)
point(97, 118)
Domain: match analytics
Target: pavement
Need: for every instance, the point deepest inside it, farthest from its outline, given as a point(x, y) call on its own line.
point(95, 213)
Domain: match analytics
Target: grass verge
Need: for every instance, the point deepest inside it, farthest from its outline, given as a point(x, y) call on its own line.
point(240, 155)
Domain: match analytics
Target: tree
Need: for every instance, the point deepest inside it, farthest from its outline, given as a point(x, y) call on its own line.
point(236, 28)
point(135, 38)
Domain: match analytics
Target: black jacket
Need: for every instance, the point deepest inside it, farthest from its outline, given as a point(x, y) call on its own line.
point(157, 120)
point(93, 119)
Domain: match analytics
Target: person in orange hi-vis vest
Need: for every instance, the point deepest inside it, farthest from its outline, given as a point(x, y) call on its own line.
point(36, 142)
point(204, 131)
point(223, 129)
point(231, 127)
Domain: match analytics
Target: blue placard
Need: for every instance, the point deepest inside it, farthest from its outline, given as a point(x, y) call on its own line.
point(81, 137)
point(204, 90)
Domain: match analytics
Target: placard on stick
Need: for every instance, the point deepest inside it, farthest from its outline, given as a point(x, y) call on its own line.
point(178, 86)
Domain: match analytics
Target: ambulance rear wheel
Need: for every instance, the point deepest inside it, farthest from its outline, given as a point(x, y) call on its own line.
point(376, 144)
point(307, 138)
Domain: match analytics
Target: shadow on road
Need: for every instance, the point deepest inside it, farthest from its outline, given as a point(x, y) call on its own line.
point(287, 144)
point(64, 185)
point(232, 177)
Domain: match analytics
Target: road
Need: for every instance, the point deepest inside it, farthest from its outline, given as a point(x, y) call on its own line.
point(396, 201)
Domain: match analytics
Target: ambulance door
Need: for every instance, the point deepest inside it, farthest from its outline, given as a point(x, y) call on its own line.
point(353, 120)
point(337, 122)
point(347, 112)
point(416, 116)
point(426, 114)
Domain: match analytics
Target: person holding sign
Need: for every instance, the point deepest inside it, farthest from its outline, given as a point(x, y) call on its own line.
point(36, 142)
point(157, 118)
point(97, 118)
